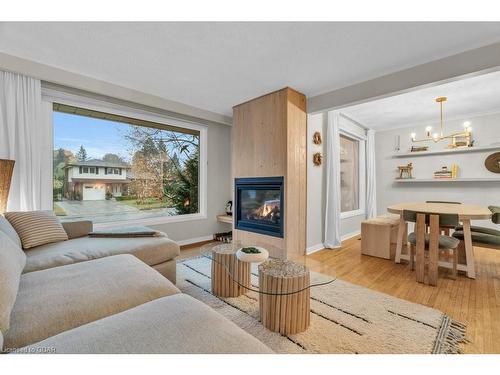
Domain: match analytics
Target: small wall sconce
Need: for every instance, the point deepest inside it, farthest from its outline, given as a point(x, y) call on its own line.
point(317, 159)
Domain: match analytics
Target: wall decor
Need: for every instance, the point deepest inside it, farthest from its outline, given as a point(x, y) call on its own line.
point(405, 171)
point(492, 162)
point(317, 138)
point(317, 159)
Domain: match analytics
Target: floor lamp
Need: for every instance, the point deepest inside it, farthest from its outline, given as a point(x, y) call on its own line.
point(6, 169)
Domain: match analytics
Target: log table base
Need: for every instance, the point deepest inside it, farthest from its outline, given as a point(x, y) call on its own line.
point(223, 282)
point(279, 311)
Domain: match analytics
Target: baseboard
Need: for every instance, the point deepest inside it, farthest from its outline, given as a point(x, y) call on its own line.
point(350, 235)
point(320, 246)
point(191, 241)
point(314, 248)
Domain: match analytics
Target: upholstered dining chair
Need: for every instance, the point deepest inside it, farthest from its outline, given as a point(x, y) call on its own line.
point(483, 236)
point(445, 229)
point(426, 247)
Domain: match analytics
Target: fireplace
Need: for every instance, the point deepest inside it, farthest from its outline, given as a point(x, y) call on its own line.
point(259, 205)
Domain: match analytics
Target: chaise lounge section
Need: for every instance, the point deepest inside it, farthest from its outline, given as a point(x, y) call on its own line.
point(157, 252)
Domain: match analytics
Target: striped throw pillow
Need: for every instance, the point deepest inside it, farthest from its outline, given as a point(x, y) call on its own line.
point(36, 228)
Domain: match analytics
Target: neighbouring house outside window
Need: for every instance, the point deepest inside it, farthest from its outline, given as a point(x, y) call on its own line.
point(111, 168)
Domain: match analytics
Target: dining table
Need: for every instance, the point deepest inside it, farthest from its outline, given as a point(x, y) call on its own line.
point(466, 213)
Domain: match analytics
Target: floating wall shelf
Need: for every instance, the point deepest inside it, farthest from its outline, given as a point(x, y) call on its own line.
point(448, 151)
point(479, 179)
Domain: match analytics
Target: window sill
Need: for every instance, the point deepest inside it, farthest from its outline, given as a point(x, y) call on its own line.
point(348, 214)
point(152, 221)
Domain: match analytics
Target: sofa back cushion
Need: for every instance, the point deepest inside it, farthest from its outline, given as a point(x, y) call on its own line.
point(12, 262)
point(37, 228)
point(9, 230)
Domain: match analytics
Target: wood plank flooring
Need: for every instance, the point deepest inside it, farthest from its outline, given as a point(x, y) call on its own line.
point(474, 302)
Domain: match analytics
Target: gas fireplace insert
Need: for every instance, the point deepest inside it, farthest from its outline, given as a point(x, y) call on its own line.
point(259, 205)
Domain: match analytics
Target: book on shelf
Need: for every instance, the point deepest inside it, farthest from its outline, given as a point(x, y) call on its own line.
point(445, 173)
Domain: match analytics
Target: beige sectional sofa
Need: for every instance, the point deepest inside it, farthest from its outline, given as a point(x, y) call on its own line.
point(92, 299)
point(157, 252)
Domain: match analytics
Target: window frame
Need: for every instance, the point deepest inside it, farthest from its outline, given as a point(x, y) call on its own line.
point(55, 96)
point(361, 173)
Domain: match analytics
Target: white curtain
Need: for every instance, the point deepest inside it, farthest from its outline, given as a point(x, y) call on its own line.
point(371, 181)
point(332, 211)
point(26, 137)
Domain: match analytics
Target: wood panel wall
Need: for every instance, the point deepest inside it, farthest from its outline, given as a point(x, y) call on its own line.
point(269, 139)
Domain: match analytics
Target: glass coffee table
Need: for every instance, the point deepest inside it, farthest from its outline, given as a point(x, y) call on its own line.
point(283, 289)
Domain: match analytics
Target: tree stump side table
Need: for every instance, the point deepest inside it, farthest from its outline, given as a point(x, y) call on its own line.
point(284, 298)
point(226, 270)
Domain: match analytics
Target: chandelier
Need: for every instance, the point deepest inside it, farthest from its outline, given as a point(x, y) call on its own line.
point(463, 138)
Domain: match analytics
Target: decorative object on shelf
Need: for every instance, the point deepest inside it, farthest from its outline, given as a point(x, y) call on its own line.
point(6, 170)
point(405, 171)
point(460, 139)
point(229, 208)
point(397, 143)
point(317, 159)
point(252, 254)
point(446, 173)
point(419, 148)
point(492, 163)
point(317, 138)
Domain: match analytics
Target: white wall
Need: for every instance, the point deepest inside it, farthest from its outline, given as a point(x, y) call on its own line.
point(316, 185)
point(486, 130)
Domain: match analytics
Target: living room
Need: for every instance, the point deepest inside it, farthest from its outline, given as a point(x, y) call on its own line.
point(154, 199)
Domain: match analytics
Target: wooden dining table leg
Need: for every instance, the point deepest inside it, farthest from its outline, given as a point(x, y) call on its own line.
point(401, 234)
point(469, 249)
point(434, 249)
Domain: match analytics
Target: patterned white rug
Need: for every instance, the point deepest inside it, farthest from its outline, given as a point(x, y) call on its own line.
point(345, 318)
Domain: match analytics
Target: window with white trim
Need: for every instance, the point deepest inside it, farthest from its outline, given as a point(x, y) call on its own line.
point(110, 168)
point(352, 175)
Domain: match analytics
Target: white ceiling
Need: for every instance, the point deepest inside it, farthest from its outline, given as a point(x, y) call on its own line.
point(466, 98)
point(214, 66)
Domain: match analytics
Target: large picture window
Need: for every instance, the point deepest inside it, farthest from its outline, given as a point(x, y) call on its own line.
point(351, 175)
point(110, 168)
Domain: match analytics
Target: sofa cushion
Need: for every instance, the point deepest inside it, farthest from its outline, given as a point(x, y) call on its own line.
point(9, 230)
point(37, 228)
point(151, 250)
point(12, 261)
point(77, 228)
point(55, 300)
point(176, 324)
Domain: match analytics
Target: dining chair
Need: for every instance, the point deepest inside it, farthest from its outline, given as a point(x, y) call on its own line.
point(426, 247)
point(445, 229)
point(482, 236)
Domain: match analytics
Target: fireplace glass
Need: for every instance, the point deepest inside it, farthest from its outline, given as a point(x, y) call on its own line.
point(259, 205)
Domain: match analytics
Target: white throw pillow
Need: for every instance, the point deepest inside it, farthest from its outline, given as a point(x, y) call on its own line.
point(37, 228)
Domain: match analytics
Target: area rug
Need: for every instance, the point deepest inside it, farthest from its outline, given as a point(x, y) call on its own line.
point(345, 318)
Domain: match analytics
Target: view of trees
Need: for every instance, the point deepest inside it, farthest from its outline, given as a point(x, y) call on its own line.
point(81, 155)
point(61, 158)
point(164, 168)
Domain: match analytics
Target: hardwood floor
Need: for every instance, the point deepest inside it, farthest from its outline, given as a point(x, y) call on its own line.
point(474, 302)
